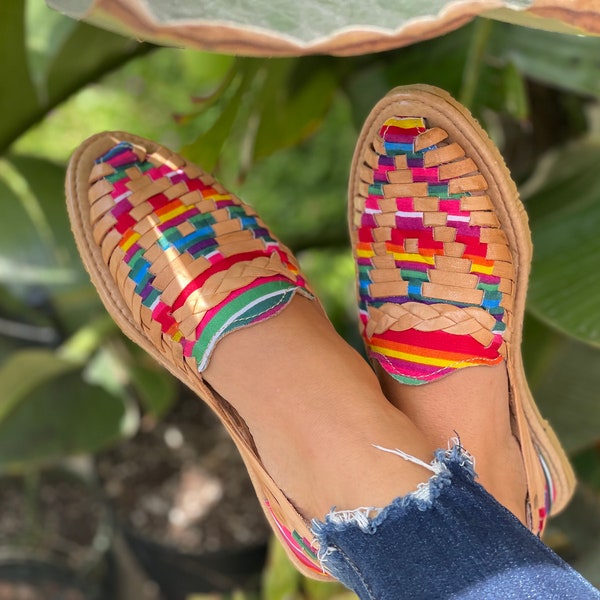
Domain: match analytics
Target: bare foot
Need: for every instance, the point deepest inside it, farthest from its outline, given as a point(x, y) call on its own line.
point(315, 409)
point(472, 403)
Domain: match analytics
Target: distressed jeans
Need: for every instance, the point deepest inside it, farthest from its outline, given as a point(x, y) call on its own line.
point(448, 540)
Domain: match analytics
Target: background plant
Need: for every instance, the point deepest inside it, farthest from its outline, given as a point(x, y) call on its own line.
point(281, 132)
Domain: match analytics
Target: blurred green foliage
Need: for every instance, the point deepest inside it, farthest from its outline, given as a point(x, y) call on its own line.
point(279, 132)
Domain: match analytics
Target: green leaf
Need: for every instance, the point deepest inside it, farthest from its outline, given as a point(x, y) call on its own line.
point(18, 99)
point(515, 97)
point(206, 149)
point(566, 61)
point(565, 381)
point(565, 217)
point(293, 102)
point(281, 579)
point(59, 417)
point(86, 54)
point(25, 371)
point(578, 533)
point(262, 27)
point(156, 388)
point(36, 246)
point(46, 33)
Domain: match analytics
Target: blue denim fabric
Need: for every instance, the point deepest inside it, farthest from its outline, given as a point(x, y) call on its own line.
point(458, 543)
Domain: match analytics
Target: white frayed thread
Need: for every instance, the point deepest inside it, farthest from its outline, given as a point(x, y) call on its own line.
point(423, 491)
point(361, 516)
point(466, 457)
point(364, 515)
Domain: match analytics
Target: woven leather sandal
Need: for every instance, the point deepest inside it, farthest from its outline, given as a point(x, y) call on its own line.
point(443, 252)
point(179, 262)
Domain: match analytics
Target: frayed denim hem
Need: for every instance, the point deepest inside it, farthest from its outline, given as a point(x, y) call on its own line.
point(369, 518)
point(447, 540)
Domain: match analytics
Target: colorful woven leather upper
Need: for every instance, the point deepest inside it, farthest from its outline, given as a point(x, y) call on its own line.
point(192, 261)
point(435, 272)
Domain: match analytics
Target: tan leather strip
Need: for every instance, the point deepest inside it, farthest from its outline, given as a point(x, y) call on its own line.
point(476, 202)
point(401, 161)
point(363, 189)
point(385, 219)
point(109, 243)
point(452, 293)
point(249, 246)
point(229, 226)
point(99, 189)
point(428, 203)
point(144, 193)
point(102, 227)
point(174, 288)
point(455, 265)
point(379, 248)
point(388, 205)
point(115, 260)
point(463, 280)
point(489, 235)
point(185, 228)
point(384, 262)
point(503, 269)
point(100, 170)
point(444, 234)
point(101, 207)
point(176, 268)
point(378, 145)
point(505, 286)
point(366, 173)
point(221, 214)
point(435, 219)
point(140, 211)
point(431, 137)
point(400, 176)
point(498, 252)
point(359, 203)
point(444, 154)
point(404, 190)
point(455, 249)
point(484, 219)
point(371, 158)
point(164, 156)
point(382, 234)
point(411, 246)
point(236, 238)
point(382, 290)
point(161, 261)
point(457, 168)
point(176, 190)
point(193, 198)
point(193, 172)
point(469, 183)
point(385, 275)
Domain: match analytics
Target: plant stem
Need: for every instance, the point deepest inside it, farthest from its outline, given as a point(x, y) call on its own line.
point(474, 62)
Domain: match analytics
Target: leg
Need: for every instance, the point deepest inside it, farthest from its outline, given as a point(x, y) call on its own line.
point(306, 395)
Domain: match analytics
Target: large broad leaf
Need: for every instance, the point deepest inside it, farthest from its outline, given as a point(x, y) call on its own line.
point(44, 60)
point(48, 411)
point(565, 216)
point(289, 27)
point(36, 246)
point(565, 380)
point(18, 98)
point(566, 61)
